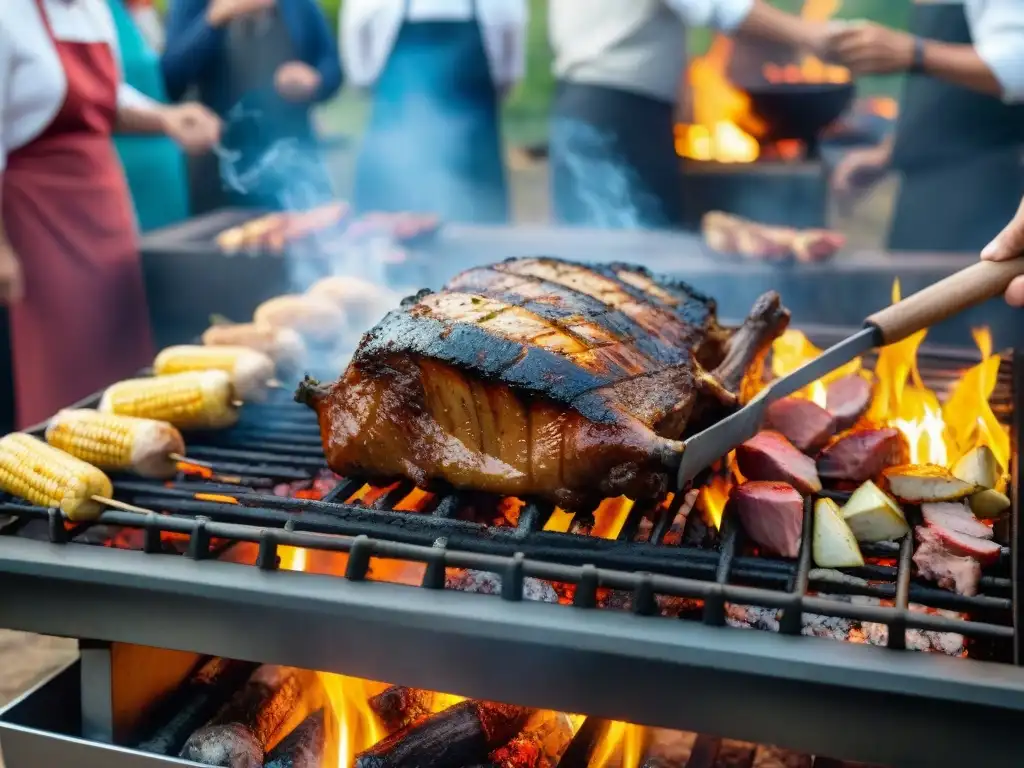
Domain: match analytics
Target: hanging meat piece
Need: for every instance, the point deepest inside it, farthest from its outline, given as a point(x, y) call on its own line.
point(538, 377)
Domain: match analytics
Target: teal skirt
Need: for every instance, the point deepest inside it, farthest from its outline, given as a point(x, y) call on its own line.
point(155, 170)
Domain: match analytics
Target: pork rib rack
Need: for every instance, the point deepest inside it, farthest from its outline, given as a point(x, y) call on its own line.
point(539, 378)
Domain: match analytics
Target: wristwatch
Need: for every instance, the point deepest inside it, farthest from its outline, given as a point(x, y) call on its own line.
point(917, 60)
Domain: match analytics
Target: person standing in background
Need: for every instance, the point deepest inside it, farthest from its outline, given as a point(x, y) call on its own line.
point(69, 260)
point(154, 165)
point(959, 140)
point(618, 65)
point(437, 70)
point(265, 60)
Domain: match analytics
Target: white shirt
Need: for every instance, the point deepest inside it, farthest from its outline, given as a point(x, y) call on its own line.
point(369, 29)
point(633, 45)
point(32, 81)
point(997, 28)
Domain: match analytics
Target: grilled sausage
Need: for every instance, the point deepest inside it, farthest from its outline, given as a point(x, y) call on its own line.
point(314, 318)
point(284, 345)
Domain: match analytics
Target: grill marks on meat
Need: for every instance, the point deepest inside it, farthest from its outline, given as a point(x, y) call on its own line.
point(537, 377)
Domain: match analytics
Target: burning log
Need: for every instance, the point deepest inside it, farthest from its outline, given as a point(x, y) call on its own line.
point(862, 454)
point(399, 707)
point(540, 745)
point(460, 735)
point(237, 735)
point(194, 703)
point(302, 748)
point(770, 456)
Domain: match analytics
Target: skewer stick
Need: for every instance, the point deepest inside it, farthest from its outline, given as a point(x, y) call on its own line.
point(124, 506)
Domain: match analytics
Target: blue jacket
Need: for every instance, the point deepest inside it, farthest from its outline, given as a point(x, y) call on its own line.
point(193, 52)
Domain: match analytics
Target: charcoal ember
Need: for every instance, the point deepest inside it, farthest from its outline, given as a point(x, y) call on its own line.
point(769, 456)
point(848, 398)
point(668, 605)
point(827, 627)
point(669, 749)
point(925, 640)
point(776, 757)
point(752, 617)
point(676, 532)
point(803, 422)
point(399, 706)
point(862, 454)
point(700, 533)
point(735, 754)
point(540, 745)
point(486, 583)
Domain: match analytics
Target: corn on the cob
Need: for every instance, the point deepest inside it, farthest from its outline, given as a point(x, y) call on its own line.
point(196, 400)
point(48, 477)
point(113, 442)
point(250, 371)
point(284, 345)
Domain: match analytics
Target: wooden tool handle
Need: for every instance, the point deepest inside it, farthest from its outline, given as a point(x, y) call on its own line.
point(963, 290)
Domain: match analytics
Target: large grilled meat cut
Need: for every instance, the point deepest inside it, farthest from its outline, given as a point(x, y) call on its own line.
point(539, 378)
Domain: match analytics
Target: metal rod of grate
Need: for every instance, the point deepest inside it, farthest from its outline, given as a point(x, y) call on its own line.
point(280, 441)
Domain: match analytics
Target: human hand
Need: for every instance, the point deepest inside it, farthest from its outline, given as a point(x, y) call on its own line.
point(220, 12)
point(192, 126)
point(860, 170)
point(12, 287)
point(870, 49)
point(296, 81)
point(1009, 244)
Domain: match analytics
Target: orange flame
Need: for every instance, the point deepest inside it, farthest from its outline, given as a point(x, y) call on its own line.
point(621, 745)
point(810, 69)
point(937, 434)
point(719, 111)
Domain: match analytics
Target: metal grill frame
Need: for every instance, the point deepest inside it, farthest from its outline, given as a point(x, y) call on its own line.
point(917, 708)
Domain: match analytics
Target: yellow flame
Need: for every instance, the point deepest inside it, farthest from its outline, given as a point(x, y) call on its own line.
point(356, 727)
point(292, 558)
point(623, 741)
point(967, 411)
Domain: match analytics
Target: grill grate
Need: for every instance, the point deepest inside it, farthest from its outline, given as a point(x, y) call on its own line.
point(279, 442)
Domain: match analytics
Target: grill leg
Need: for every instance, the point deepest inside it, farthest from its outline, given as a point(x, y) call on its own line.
point(97, 691)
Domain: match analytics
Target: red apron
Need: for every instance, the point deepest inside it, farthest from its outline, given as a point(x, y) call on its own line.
point(83, 322)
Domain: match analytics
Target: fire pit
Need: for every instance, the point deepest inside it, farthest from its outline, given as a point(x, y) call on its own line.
point(262, 555)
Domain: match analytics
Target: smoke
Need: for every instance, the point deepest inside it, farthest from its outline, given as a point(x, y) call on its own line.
point(605, 190)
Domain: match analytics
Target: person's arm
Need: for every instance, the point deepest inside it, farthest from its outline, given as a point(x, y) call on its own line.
point(749, 17)
point(10, 268)
point(960, 65)
point(998, 32)
point(193, 37)
point(356, 36)
point(326, 57)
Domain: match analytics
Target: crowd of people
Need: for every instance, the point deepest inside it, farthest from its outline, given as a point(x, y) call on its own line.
point(97, 98)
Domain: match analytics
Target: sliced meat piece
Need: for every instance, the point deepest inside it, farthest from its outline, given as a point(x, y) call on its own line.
point(770, 456)
point(984, 551)
point(848, 399)
point(955, 517)
point(862, 454)
point(772, 514)
point(804, 423)
point(936, 563)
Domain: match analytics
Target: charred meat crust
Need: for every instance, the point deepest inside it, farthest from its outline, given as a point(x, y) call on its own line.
point(536, 377)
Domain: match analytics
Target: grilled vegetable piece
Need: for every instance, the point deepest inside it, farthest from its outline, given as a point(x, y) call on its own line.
point(920, 483)
point(873, 516)
point(803, 422)
point(862, 454)
point(238, 734)
point(772, 514)
point(284, 345)
point(49, 477)
point(978, 467)
point(769, 455)
point(833, 545)
point(196, 400)
point(313, 317)
point(539, 377)
point(989, 504)
point(250, 371)
point(112, 442)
